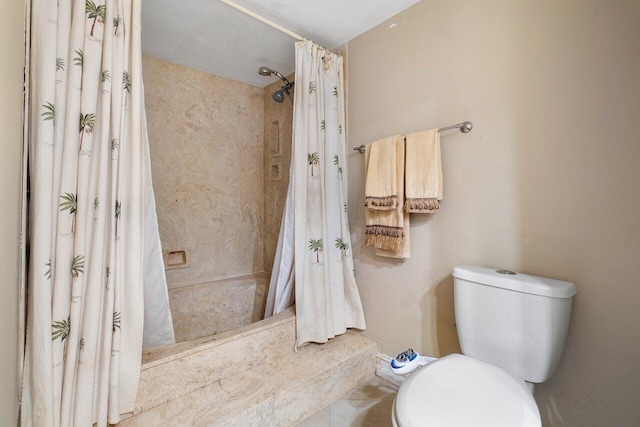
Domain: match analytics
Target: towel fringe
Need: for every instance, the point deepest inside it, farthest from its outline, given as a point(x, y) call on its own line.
point(421, 205)
point(384, 242)
point(386, 203)
point(384, 237)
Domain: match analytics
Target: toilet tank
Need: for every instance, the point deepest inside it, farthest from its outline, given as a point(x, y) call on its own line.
point(512, 320)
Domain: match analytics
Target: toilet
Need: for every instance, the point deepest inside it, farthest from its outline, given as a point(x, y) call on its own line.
point(512, 329)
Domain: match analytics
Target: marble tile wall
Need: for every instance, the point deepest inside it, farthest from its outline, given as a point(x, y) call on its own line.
point(220, 154)
point(206, 142)
point(215, 307)
point(278, 120)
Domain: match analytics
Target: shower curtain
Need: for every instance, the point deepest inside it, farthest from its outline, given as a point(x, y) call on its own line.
point(93, 230)
point(314, 241)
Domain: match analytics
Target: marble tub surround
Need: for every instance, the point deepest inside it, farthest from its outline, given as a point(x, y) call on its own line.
point(206, 143)
point(159, 355)
point(174, 371)
point(369, 405)
point(215, 307)
point(203, 386)
point(314, 378)
point(278, 121)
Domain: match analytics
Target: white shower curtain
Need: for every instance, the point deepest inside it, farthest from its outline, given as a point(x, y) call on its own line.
point(90, 192)
point(158, 324)
point(282, 284)
point(315, 222)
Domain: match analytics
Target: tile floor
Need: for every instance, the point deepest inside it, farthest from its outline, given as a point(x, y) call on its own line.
point(367, 406)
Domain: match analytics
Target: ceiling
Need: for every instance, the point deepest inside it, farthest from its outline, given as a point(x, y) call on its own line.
point(210, 36)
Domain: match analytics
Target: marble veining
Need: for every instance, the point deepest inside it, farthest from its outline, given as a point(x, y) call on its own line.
point(206, 143)
point(173, 377)
point(204, 387)
point(215, 307)
point(284, 390)
point(369, 405)
point(159, 355)
point(220, 154)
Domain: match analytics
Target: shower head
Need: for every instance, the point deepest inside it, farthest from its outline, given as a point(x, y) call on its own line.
point(265, 71)
point(278, 95)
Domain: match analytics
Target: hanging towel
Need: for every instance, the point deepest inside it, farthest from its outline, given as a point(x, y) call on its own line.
point(423, 178)
point(381, 186)
point(385, 229)
point(405, 251)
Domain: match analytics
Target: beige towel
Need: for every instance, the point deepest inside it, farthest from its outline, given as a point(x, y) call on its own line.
point(423, 175)
point(387, 230)
point(405, 251)
point(381, 185)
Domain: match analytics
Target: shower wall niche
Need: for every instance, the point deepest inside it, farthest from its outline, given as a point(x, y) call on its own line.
point(278, 123)
point(220, 155)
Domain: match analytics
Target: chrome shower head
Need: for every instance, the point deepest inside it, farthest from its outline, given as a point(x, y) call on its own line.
point(278, 96)
point(265, 71)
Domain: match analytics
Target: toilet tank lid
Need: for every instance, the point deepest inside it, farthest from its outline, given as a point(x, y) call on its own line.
point(517, 282)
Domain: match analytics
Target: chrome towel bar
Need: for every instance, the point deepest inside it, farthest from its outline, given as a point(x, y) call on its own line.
point(465, 127)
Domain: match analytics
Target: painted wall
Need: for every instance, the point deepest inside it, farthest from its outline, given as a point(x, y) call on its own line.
point(206, 142)
point(546, 183)
point(11, 84)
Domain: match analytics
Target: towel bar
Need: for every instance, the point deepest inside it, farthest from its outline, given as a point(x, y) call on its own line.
point(465, 127)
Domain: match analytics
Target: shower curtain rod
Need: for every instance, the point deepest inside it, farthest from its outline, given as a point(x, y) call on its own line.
point(465, 127)
point(262, 19)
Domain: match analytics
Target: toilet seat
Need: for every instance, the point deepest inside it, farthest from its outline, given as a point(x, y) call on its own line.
point(458, 390)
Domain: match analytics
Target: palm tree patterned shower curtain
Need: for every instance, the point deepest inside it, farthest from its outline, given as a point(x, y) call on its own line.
point(315, 229)
point(87, 145)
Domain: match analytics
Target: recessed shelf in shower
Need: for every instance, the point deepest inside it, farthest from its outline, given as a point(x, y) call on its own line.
point(177, 258)
point(275, 144)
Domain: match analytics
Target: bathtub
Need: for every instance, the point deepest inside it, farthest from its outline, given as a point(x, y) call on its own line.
point(174, 372)
point(249, 377)
point(247, 374)
point(219, 306)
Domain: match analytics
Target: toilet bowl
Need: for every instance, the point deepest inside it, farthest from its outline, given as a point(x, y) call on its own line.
point(457, 390)
point(512, 328)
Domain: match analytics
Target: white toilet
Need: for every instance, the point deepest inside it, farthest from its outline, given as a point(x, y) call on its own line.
point(512, 328)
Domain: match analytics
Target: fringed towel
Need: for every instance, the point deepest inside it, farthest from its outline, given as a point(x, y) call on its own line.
point(381, 186)
point(423, 178)
point(405, 250)
point(386, 229)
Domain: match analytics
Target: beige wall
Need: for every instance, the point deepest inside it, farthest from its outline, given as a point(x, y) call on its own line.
point(11, 83)
point(547, 182)
point(278, 121)
point(206, 142)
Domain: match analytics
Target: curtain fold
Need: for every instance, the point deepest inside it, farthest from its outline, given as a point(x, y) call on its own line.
point(326, 296)
point(158, 323)
point(87, 154)
point(282, 284)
